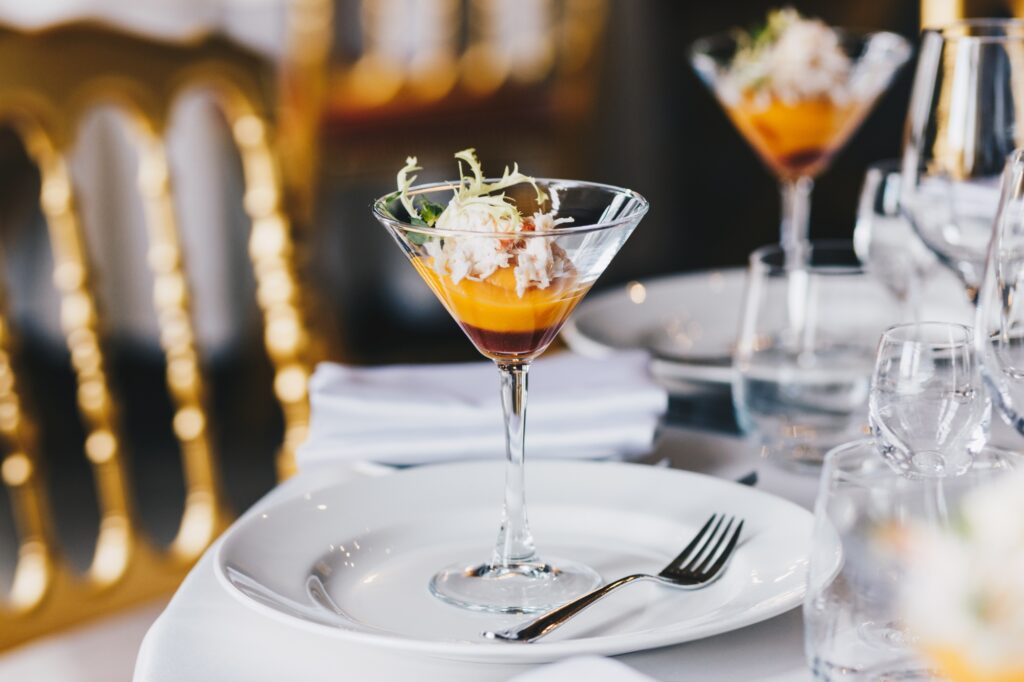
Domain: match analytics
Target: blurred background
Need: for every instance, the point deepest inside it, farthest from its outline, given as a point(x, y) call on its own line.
point(591, 89)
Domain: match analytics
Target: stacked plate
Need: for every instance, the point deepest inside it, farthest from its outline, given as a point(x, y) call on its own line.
point(689, 322)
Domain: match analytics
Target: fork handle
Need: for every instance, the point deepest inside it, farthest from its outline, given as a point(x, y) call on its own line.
point(555, 618)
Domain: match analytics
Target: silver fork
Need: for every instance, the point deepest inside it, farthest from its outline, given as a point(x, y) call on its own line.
point(700, 563)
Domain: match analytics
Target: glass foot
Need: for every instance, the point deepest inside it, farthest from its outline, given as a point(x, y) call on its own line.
point(517, 588)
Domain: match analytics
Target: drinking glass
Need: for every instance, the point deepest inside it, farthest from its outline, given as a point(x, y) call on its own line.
point(853, 624)
point(999, 322)
point(885, 240)
point(965, 119)
point(512, 319)
point(798, 138)
point(811, 320)
point(928, 410)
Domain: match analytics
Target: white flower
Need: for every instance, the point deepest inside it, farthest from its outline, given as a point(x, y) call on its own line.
point(995, 515)
point(965, 590)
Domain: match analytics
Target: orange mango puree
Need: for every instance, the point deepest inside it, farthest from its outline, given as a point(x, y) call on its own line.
point(796, 139)
point(494, 305)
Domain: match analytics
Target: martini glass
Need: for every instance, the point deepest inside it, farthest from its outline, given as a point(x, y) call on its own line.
point(512, 315)
point(797, 137)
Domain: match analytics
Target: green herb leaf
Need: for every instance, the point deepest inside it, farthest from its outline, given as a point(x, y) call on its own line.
point(430, 212)
point(761, 35)
point(418, 238)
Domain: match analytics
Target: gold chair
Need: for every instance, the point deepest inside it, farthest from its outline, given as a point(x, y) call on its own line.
point(48, 80)
point(464, 55)
point(936, 13)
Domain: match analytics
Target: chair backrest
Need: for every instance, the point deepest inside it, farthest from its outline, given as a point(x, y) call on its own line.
point(402, 56)
point(48, 81)
point(936, 13)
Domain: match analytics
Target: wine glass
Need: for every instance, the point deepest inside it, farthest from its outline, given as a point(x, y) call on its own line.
point(1000, 312)
point(927, 408)
point(798, 132)
point(512, 318)
point(885, 240)
point(810, 324)
point(964, 122)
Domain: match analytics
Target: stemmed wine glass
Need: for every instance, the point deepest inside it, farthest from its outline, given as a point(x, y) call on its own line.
point(1000, 315)
point(927, 407)
point(798, 105)
point(965, 119)
point(884, 239)
point(512, 322)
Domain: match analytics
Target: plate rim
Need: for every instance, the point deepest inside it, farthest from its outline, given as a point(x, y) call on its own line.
point(671, 369)
point(537, 652)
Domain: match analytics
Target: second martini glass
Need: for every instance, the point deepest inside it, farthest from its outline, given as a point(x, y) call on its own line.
point(797, 91)
point(512, 315)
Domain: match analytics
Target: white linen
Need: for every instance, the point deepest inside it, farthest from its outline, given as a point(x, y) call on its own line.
point(412, 414)
point(98, 651)
point(589, 668)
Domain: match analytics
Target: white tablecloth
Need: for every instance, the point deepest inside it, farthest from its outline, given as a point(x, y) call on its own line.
point(101, 651)
point(207, 634)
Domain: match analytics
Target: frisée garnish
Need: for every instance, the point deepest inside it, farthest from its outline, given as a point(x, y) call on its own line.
point(476, 205)
point(481, 233)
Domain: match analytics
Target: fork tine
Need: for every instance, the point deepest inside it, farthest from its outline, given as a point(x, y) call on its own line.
point(708, 558)
point(709, 541)
point(724, 556)
point(685, 554)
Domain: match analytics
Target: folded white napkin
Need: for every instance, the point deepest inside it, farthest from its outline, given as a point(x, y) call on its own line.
point(413, 414)
point(589, 668)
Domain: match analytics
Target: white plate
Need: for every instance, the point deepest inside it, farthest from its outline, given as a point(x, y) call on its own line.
point(354, 560)
point(688, 322)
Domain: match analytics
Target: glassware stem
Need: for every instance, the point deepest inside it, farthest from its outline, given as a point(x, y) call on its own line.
point(796, 211)
point(936, 509)
point(515, 541)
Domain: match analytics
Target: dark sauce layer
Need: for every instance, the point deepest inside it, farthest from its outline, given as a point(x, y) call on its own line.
point(803, 158)
point(511, 343)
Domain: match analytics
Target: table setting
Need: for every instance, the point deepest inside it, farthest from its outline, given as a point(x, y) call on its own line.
point(802, 468)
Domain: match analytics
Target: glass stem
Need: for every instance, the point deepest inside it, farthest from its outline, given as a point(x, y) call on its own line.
point(796, 211)
point(515, 542)
point(936, 508)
